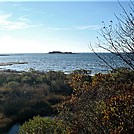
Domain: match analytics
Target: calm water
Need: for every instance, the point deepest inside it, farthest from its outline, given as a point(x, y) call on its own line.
point(14, 129)
point(60, 62)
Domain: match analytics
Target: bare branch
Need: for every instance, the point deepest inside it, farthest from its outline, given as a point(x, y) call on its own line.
point(119, 40)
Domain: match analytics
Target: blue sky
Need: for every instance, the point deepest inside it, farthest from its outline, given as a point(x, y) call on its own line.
point(40, 27)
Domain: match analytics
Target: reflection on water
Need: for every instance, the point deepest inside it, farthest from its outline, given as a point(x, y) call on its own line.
point(14, 129)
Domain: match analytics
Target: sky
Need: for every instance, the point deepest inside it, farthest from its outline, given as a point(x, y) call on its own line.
point(44, 26)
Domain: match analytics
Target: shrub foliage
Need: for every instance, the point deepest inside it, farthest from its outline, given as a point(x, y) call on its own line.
point(105, 107)
point(40, 125)
point(99, 104)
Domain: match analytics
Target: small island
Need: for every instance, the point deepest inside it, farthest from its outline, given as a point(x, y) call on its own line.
point(4, 55)
point(59, 52)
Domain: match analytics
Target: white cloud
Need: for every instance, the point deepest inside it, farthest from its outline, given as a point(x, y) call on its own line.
point(24, 18)
point(20, 23)
point(88, 27)
point(60, 28)
point(3, 18)
point(83, 27)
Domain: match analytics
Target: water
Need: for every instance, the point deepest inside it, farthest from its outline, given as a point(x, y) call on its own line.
point(60, 62)
point(14, 129)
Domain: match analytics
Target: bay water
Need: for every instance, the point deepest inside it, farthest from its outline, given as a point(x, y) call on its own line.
point(60, 62)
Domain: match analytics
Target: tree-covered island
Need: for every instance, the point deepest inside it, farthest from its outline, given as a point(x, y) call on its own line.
point(59, 52)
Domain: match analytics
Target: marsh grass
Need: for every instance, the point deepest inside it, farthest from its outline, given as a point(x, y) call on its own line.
point(27, 94)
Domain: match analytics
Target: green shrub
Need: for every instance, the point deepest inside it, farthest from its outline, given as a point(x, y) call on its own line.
point(40, 125)
point(12, 85)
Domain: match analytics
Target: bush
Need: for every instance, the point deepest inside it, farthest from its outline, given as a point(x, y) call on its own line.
point(40, 125)
point(118, 116)
point(104, 105)
point(12, 85)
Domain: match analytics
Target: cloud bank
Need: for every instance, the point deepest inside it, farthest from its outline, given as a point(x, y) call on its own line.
point(21, 23)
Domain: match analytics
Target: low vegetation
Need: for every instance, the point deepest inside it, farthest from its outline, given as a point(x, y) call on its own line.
point(76, 103)
point(41, 125)
point(27, 94)
point(103, 104)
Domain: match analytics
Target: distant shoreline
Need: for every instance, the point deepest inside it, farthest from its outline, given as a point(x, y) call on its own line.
point(12, 63)
point(59, 52)
point(4, 55)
